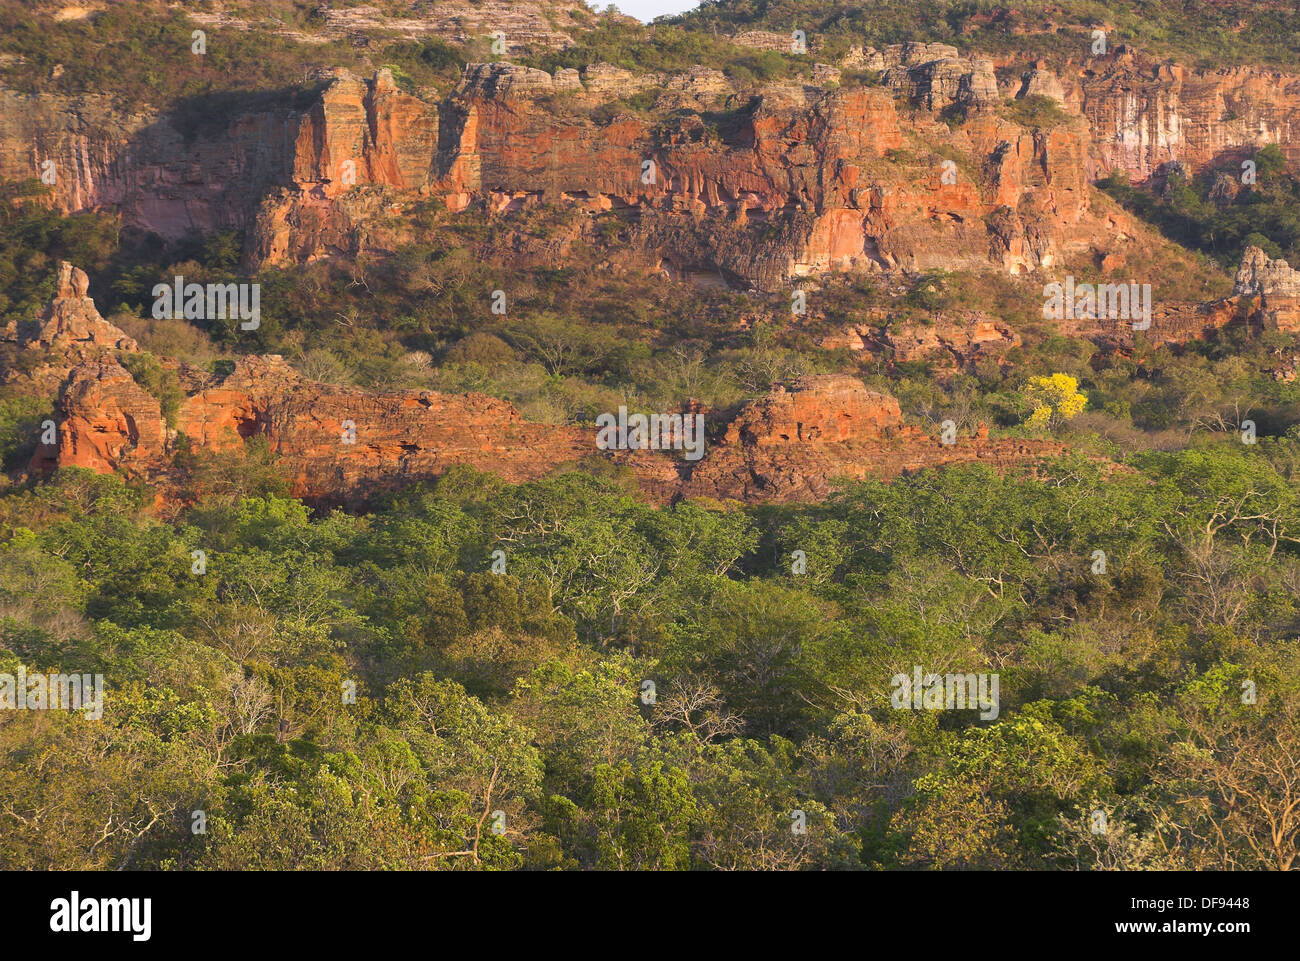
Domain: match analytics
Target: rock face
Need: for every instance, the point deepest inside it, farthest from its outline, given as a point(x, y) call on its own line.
point(949, 340)
point(362, 132)
point(106, 422)
point(1039, 81)
point(275, 171)
point(793, 444)
point(935, 77)
point(508, 80)
point(524, 25)
point(342, 445)
point(959, 340)
point(605, 82)
point(1274, 285)
point(205, 171)
point(764, 40)
point(1144, 113)
point(799, 181)
point(336, 445)
point(1259, 275)
point(357, 137)
point(798, 184)
point(815, 410)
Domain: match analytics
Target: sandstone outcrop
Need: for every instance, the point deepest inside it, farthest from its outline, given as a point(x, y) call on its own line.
point(798, 184)
point(523, 25)
point(765, 40)
point(509, 80)
point(823, 409)
point(1145, 113)
point(106, 422)
point(794, 444)
point(950, 340)
point(798, 181)
point(1039, 81)
point(1275, 285)
point(605, 82)
point(274, 169)
point(935, 78)
point(71, 322)
point(1142, 113)
point(342, 445)
point(1261, 275)
point(335, 444)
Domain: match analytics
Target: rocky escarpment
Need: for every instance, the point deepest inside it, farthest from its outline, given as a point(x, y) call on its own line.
point(949, 340)
point(335, 445)
point(342, 445)
point(756, 187)
point(204, 169)
point(799, 181)
point(1265, 297)
point(794, 444)
point(1142, 113)
point(795, 181)
point(1145, 114)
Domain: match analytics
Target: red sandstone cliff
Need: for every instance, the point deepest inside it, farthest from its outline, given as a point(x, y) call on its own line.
point(1145, 113)
point(793, 444)
point(343, 445)
point(340, 445)
point(801, 180)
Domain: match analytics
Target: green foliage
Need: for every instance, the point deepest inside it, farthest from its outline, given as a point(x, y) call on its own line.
point(158, 380)
point(1197, 31)
point(652, 687)
point(1199, 213)
point(1035, 111)
point(502, 720)
point(21, 417)
point(34, 238)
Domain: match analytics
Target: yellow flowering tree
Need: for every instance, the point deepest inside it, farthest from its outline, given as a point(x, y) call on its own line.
point(1053, 400)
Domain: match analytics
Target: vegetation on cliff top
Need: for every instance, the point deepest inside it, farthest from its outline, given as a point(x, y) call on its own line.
point(1198, 32)
point(141, 53)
